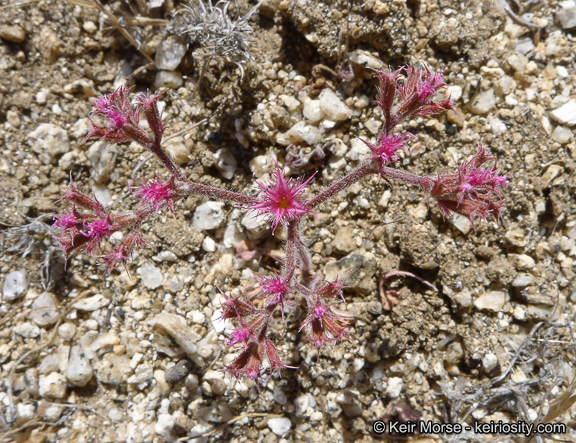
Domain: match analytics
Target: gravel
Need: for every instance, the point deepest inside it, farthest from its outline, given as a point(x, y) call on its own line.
point(15, 285)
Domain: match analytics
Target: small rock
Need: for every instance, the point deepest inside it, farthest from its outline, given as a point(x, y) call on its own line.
point(50, 141)
point(176, 327)
point(209, 215)
point(209, 245)
point(232, 236)
point(279, 396)
point(53, 413)
point(522, 280)
point(462, 224)
point(334, 108)
point(366, 59)
point(301, 405)
point(506, 85)
point(344, 240)
point(24, 413)
point(497, 126)
point(103, 195)
point(143, 373)
point(290, 102)
point(164, 425)
point(170, 53)
point(178, 151)
point(12, 33)
point(168, 256)
point(522, 262)
point(225, 163)
point(79, 371)
point(565, 114)
point(551, 173)
point(178, 371)
point(562, 135)
point(15, 285)
point(454, 353)
point(256, 225)
point(454, 92)
point(49, 364)
point(13, 118)
point(262, 164)
point(300, 132)
point(93, 303)
point(492, 301)
point(463, 298)
point(41, 97)
point(394, 388)
point(489, 362)
point(312, 111)
point(483, 103)
point(517, 62)
point(90, 27)
point(114, 369)
point(358, 150)
point(82, 86)
point(150, 275)
point(44, 309)
point(280, 426)
point(566, 15)
point(52, 385)
point(102, 155)
point(337, 147)
point(27, 330)
point(168, 79)
point(373, 125)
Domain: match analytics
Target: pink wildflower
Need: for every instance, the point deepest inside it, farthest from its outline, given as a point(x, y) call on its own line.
point(248, 363)
point(324, 324)
point(158, 193)
point(472, 192)
point(276, 287)
point(281, 199)
point(385, 151)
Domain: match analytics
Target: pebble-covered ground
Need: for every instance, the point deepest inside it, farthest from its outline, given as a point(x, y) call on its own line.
point(483, 332)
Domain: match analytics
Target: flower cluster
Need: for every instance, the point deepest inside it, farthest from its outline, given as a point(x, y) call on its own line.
point(472, 191)
point(252, 337)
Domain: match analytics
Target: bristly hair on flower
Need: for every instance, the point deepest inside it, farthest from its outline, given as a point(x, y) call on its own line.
point(281, 199)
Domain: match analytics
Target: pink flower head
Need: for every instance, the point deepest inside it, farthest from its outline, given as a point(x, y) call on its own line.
point(385, 151)
point(149, 104)
point(473, 191)
point(236, 307)
point(276, 364)
point(331, 289)
point(82, 200)
point(277, 288)
point(158, 193)
point(122, 119)
point(414, 94)
point(96, 231)
point(123, 253)
point(239, 335)
point(248, 363)
point(324, 324)
point(281, 199)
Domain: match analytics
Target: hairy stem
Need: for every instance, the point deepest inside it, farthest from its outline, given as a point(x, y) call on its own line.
point(208, 191)
point(290, 262)
point(405, 177)
point(363, 170)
